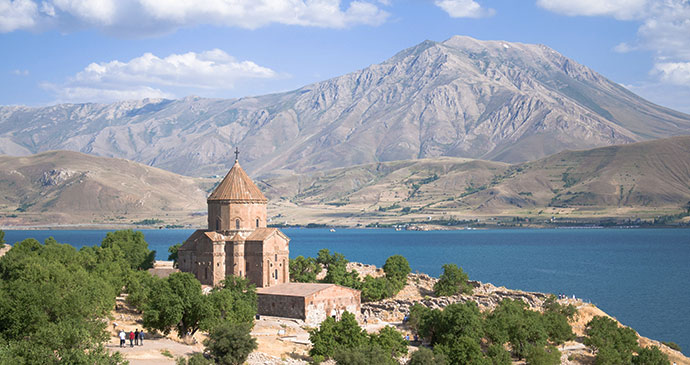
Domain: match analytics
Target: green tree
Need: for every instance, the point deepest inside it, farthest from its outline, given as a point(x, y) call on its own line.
point(391, 341)
point(230, 343)
point(452, 281)
point(133, 246)
point(462, 350)
point(179, 303)
point(374, 289)
point(497, 355)
point(139, 285)
point(651, 356)
point(614, 344)
point(557, 327)
point(512, 322)
point(424, 356)
point(363, 355)
point(234, 301)
point(172, 250)
point(397, 268)
point(458, 320)
point(51, 306)
point(304, 270)
point(333, 334)
point(540, 355)
point(2, 238)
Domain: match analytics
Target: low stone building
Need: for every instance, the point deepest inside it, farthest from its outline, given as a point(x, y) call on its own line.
point(310, 302)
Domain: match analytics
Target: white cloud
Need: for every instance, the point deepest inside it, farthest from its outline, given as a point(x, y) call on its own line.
point(150, 17)
point(17, 14)
point(463, 8)
point(155, 77)
point(619, 9)
point(19, 72)
point(673, 72)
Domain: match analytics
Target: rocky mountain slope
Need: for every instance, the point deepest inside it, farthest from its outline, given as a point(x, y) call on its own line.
point(490, 100)
point(647, 178)
point(69, 187)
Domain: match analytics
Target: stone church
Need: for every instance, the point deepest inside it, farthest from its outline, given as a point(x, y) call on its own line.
point(237, 242)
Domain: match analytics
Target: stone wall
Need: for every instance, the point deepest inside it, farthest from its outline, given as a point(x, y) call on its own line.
point(333, 301)
point(281, 306)
point(487, 297)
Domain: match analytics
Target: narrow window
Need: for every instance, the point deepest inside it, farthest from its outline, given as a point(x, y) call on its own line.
point(237, 224)
point(257, 222)
point(240, 273)
point(276, 274)
point(276, 257)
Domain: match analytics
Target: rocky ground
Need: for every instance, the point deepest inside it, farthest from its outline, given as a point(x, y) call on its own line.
point(286, 341)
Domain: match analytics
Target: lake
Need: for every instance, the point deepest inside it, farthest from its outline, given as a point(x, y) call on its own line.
point(639, 276)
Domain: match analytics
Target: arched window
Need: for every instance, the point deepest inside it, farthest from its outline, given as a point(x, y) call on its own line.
point(237, 224)
point(276, 274)
point(257, 222)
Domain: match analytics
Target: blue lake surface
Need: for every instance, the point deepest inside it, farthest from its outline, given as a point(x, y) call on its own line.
point(639, 276)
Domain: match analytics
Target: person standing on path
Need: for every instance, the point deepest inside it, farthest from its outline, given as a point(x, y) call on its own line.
point(136, 336)
point(122, 338)
point(141, 338)
point(131, 339)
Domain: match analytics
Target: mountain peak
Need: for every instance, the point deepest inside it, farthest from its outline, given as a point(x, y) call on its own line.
point(462, 97)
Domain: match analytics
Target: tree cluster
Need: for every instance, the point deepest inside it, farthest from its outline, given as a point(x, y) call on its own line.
point(306, 270)
point(53, 298)
point(617, 345)
point(178, 302)
point(347, 343)
point(457, 332)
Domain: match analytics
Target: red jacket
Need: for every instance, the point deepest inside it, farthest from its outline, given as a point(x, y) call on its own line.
point(131, 335)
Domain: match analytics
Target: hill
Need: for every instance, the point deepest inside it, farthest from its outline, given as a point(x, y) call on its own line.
point(643, 180)
point(63, 187)
point(490, 100)
point(640, 180)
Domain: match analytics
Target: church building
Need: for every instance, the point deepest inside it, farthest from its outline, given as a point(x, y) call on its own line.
point(237, 241)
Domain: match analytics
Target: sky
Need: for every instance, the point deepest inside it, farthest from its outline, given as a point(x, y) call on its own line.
point(75, 51)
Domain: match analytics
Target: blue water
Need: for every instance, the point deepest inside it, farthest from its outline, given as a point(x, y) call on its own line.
point(639, 276)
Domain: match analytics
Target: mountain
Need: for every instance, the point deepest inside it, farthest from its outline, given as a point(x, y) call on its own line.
point(644, 179)
point(491, 100)
point(70, 187)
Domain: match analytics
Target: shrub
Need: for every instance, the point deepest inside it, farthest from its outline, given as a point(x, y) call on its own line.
point(230, 343)
point(452, 281)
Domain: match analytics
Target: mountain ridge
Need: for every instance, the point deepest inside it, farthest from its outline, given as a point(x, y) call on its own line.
point(495, 100)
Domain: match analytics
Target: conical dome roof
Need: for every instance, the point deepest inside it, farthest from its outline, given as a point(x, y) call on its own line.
point(238, 187)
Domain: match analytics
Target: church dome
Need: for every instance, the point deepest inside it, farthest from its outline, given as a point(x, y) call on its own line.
point(237, 187)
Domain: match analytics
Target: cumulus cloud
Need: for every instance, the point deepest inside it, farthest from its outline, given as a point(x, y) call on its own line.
point(149, 17)
point(463, 8)
point(619, 9)
point(673, 72)
point(155, 77)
